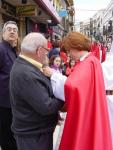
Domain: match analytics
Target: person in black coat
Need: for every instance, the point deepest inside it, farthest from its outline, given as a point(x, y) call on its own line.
point(7, 58)
point(34, 107)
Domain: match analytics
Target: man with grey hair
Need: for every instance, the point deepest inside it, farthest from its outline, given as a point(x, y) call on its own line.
point(34, 107)
point(7, 57)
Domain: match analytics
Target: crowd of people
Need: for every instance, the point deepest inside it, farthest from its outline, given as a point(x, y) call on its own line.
point(45, 78)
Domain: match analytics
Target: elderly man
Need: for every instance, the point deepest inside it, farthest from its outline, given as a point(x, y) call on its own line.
point(34, 107)
point(7, 57)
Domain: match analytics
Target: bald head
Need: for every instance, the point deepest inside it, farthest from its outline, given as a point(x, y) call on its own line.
point(32, 42)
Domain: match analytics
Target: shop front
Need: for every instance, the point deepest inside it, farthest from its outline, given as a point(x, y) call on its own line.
point(32, 16)
point(7, 12)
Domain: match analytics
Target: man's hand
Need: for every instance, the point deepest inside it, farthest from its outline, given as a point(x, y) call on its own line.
point(47, 71)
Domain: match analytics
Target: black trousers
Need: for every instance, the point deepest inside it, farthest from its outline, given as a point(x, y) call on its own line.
point(7, 141)
point(42, 141)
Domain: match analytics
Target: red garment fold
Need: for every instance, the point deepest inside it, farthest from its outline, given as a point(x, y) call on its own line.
point(87, 123)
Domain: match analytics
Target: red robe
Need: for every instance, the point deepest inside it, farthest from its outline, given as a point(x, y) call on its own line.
point(49, 45)
point(95, 49)
point(104, 49)
point(87, 124)
point(68, 71)
point(63, 56)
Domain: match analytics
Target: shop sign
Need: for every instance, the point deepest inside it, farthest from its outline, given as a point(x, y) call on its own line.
point(63, 13)
point(27, 10)
point(10, 9)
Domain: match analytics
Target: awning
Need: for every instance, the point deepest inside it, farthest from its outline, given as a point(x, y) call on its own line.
point(47, 6)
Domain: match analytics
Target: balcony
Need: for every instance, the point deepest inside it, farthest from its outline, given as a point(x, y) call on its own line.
point(69, 2)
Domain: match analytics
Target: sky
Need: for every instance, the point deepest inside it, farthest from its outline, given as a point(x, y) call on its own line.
point(84, 8)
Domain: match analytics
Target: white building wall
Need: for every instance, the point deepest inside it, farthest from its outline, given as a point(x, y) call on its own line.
point(107, 16)
point(102, 18)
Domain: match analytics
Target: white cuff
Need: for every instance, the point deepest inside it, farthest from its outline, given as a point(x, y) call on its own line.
point(58, 82)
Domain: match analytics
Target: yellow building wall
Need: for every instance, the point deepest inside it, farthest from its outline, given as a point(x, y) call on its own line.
point(58, 5)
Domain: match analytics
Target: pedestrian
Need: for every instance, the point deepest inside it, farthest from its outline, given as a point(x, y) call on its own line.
point(7, 58)
point(49, 43)
point(104, 52)
point(55, 63)
point(87, 122)
point(107, 67)
point(70, 67)
point(54, 50)
point(95, 49)
point(34, 107)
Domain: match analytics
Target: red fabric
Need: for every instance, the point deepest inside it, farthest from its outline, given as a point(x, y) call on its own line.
point(63, 56)
point(68, 71)
point(87, 124)
point(49, 45)
point(95, 50)
point(104, 49)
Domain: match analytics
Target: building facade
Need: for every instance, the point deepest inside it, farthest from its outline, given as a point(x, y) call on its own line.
point(35, 16)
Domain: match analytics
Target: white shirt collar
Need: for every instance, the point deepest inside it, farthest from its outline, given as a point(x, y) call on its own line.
point(83, 57)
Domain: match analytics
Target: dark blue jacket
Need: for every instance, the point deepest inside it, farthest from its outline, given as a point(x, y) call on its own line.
point(53, 51)
point(7, 57)
point(34, 107)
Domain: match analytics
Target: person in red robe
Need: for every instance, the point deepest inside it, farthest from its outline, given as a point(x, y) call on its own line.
point(70, 67)
point(104, 51)
point(63, 56)
point(95, 49)
point(87, 125)
point(49, 43)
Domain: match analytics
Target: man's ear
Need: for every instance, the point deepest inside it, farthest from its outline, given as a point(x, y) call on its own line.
point(38, 51)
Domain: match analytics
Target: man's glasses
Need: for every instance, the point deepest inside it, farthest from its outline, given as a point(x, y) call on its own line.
point(45, 48)
point(9, 29)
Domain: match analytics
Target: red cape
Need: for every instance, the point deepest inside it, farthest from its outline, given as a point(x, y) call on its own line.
point(87, 124)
